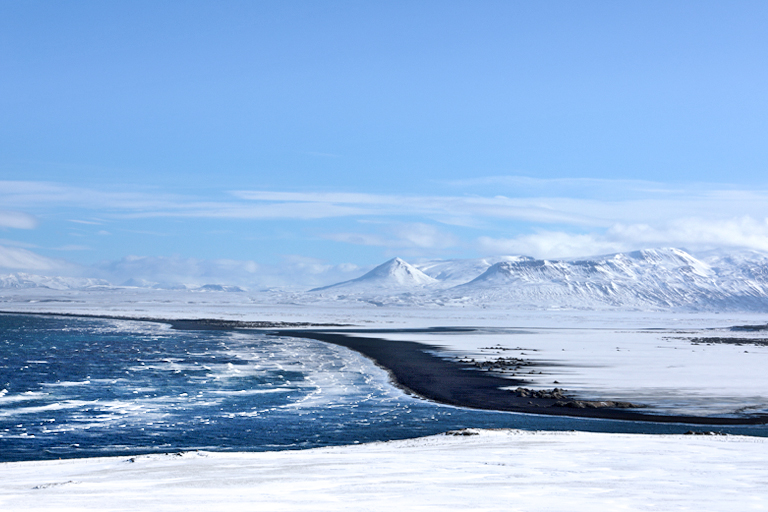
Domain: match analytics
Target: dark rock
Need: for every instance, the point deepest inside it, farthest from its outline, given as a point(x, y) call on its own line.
point(462, 432)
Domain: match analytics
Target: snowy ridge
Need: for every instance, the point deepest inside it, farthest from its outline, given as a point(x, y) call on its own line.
point(394, 274)
point(657, 278)
point(652, 278)
point(649, 279)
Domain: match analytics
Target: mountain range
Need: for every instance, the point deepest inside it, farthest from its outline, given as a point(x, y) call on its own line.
point(646, 279)
point(650, 279)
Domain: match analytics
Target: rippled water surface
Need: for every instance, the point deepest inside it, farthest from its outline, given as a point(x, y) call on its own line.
point(72, 387)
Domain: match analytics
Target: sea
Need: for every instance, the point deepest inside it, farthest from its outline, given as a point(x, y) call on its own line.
point(86, 387)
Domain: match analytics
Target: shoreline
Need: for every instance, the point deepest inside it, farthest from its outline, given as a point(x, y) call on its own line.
point(415, 370)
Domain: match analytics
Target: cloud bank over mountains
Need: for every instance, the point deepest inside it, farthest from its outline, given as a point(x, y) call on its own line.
point(294, 238)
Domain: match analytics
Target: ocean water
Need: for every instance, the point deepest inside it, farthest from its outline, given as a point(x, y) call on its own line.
point(79, 387)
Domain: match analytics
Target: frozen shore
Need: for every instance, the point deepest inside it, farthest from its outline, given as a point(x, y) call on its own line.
point(491, 470)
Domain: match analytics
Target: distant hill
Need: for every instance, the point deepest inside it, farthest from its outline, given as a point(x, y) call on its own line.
point(394, 275)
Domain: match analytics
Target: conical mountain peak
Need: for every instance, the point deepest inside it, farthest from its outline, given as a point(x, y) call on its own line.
point(395, 273)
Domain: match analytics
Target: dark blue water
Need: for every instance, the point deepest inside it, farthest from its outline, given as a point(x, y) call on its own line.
point(73, 387)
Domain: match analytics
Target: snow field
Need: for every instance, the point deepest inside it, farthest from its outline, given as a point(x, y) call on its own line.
point(494, 470)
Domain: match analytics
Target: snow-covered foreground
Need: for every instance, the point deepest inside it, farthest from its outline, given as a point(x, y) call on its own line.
point(494, 470)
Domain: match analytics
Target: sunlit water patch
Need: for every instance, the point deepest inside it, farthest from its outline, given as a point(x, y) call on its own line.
point(73, 387)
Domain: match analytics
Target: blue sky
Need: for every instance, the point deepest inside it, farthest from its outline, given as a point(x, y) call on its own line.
point(301, 142)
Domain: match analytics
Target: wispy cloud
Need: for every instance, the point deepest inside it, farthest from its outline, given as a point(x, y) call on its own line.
point(654, 204)
point(550, 244)
point(87, 222)
point(17, 220)
point(553, 218)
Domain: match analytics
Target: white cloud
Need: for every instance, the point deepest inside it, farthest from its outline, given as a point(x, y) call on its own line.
point(691, 233)
point(17, 220)
point(550, 244)
point(698, 233)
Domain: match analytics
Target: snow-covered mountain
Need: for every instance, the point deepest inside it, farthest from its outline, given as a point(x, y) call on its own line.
point(22, 280)
point(649, 279)
point(394, 275)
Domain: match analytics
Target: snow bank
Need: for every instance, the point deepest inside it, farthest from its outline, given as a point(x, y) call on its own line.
point(492, 470)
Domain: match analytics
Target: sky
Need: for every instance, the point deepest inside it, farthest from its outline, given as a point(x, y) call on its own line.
point(302, 142)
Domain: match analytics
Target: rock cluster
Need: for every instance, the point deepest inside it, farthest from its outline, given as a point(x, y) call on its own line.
point(555, 394)
point(500, 364)
point(564, 400)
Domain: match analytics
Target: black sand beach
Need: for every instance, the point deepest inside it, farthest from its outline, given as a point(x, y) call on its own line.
point(415, 369)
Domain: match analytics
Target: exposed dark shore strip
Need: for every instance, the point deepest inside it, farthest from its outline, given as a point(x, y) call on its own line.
point(414, 369)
